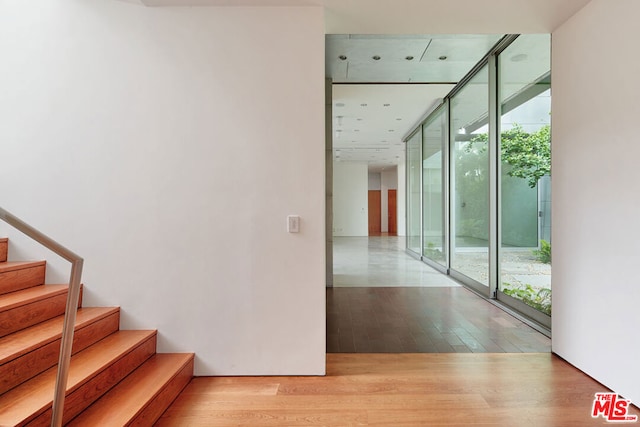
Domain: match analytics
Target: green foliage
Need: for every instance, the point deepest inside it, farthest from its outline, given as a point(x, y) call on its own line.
point(544, 254)
point(538, 299)
point(433, 253)
point(529, 154)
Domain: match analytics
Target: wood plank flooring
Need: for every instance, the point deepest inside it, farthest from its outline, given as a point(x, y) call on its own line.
point(423, 320)
point(399, 390)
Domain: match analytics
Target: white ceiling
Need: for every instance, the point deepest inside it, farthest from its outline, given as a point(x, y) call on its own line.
point(395, 18)
point(370, 120)
point(421, 16)
point(403, 59)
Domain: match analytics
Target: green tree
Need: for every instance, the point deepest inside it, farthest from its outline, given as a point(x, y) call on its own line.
point(529, 154)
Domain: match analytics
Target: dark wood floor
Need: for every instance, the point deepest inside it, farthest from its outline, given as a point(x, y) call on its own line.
point(459, 390)
point(423, 320)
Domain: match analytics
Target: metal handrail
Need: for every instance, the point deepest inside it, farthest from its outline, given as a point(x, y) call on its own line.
point(70, 312)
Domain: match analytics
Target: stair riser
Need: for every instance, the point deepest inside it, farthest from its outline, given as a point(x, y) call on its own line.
point(39, 360)
point(24, 278)
point(84, 395)
point(163, 400)
point(3, 249)
point(30, 314)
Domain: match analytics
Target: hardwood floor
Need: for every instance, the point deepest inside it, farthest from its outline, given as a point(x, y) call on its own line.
point(423, 320)
point(399, 390)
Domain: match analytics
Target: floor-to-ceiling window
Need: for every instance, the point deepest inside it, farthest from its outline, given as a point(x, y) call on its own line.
point(470, 179)
point(525, 154)
point(484, 178)
point(434, 133)
point(414, 168)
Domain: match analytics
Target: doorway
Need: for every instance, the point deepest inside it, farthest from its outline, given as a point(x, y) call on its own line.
point(392, 212)
point(375, 212)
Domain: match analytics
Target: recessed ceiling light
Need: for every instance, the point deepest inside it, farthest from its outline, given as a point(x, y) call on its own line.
point(399, 118)
point(442, 58)
point(356, 130)
point(359, 119)
point(376, 57)
point(386, 105)
point(342, 57)
point(409, 58)
point(363, 105)
point(391, 130)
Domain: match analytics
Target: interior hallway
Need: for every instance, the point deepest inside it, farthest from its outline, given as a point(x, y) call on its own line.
point(385, 301)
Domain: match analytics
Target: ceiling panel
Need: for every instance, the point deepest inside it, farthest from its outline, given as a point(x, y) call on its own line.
point(370, 120)
point(392, 59)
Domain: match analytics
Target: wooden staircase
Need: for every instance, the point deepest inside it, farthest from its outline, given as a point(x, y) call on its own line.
point(116, 378)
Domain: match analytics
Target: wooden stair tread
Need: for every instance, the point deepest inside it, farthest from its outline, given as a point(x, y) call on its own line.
point(4, 245)
point(19, 265)
point(33, 397)
point(33, 350)
point(130, 397)
point(16, 275)
point(26, 296)
point(26, 340)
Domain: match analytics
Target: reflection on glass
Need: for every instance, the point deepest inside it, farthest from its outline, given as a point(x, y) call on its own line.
point(433, 143)
point(525, 101)
point(470, 179)
point(413, 192)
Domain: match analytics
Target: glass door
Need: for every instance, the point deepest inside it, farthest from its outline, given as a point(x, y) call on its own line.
point(525, 177)
point(414, 236)
point(470, 182)
point(434, 161)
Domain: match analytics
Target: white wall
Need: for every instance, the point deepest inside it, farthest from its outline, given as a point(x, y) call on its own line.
point(596, 231)
point(167, 147)
point(389, 180)
point(350, 199)
point(375, 181)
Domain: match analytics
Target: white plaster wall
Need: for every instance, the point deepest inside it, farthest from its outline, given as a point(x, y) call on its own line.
point(167, 147)
point(375, 181)
point(402, 199)
point(350, 199)
point(596, 231)
point(389, 181)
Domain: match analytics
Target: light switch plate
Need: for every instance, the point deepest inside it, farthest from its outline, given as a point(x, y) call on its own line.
point(293, 223)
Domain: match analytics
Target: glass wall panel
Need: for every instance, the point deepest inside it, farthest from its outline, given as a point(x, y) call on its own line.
point(525, 103)
point(413, 193)
point(470, 179)
point(433, 182)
